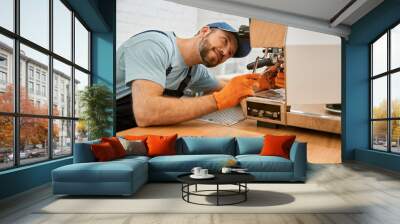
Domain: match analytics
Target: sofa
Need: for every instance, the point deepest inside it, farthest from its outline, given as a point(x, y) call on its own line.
point(125, 176)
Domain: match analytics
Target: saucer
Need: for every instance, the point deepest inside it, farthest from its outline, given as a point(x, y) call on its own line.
point(208, 176)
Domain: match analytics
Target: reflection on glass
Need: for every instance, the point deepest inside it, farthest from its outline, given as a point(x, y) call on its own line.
point(33, 140)
point(395, 94)
point(379, 97)
point(62, 138)
point(7, 14)
point(34, 96)
point(395, 47)
point(62, 29)
point(35, 21)
point(6, 142)
point(62, 89)
point(81, 131)
point(81, 81)
point(379, 55)
point(379, 135)
point(81, 45)
point(395, 138)
point(6, 75)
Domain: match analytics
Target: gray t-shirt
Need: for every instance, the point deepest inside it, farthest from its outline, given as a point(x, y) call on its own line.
point(147, 56)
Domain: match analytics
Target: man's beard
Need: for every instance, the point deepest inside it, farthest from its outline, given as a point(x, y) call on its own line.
point(205, 48)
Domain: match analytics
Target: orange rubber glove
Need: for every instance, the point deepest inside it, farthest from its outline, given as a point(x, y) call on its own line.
point(235, 90)
point(267, 79)
point(266, 82)
point(280, 80)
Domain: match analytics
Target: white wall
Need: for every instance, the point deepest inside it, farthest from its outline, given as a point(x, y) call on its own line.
point(134, 16)
point(313, 67)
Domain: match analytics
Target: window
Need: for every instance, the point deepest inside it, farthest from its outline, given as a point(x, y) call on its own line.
point(3, 78)
point(30, 72)
point(38, 89)
point(6, 143)
point(62, 140)
point(7, 14)
point(43, 90)
point(62, 29)
point(81, 81)
point(38, 74)
point(35, 21)
point(62, 75)
point(6, 73)
point(3, 61)
point(55, 95)
point(50, 135)
point(81, 45)
point(3, 72)
point(30, 87)
point(385, 91)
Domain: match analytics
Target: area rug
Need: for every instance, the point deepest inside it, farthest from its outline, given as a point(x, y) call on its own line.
point(167, 198)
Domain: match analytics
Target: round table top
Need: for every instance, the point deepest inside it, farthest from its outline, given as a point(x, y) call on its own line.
point(220, 178)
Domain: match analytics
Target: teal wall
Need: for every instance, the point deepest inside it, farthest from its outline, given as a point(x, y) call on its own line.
point(99, 16)
point(103, 66)
point(355, 84)
point(24, 178)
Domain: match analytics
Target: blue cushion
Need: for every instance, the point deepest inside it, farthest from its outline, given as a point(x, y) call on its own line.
point(257, 163)
point(206, 145)
point(133, 157)
point(111, 171)
point(118, 177)
point(249, 145)
point(83, 153)
point(185, 163)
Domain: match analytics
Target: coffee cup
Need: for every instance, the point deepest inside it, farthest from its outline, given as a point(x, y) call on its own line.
point(203, 172)
point(226, 170)
point(196, 171)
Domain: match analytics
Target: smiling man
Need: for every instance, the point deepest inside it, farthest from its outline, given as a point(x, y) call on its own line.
point(154, 69)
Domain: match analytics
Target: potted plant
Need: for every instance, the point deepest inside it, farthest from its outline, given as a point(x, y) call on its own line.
point(96, 104)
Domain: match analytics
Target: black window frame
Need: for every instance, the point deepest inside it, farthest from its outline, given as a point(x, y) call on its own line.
point(16, 114)
point(388, 74)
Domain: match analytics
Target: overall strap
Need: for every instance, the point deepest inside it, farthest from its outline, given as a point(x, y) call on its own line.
point(181, 88)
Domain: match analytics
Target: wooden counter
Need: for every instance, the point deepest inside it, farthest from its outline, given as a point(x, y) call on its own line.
point(322, 147)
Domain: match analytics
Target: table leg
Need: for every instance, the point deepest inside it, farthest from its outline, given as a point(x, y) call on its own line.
point(245, 193)
point(188, 190)
point(182, 188)
point(217, 194)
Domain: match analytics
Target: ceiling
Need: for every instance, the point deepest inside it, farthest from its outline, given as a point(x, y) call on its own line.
point(325, 16)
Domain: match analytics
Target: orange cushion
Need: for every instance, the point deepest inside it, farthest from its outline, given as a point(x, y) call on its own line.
point(116, 145)
point(103, 151)
point(277, 145)
point(136, 137)
point(161, 145)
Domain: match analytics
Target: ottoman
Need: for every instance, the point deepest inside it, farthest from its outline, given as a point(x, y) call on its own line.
point(118, 177)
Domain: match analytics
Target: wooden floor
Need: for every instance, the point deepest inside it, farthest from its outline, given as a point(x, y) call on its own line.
point(322, 147)
point(377, 189)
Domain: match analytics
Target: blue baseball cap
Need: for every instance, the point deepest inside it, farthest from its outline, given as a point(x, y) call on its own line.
point(243, 48)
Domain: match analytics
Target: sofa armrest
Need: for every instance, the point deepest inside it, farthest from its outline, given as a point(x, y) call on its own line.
point(83, 152)
point(298, 155)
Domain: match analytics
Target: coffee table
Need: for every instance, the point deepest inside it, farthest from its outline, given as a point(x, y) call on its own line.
point(238, 179)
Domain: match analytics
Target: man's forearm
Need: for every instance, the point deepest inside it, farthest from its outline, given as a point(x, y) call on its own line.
point(161, 110)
